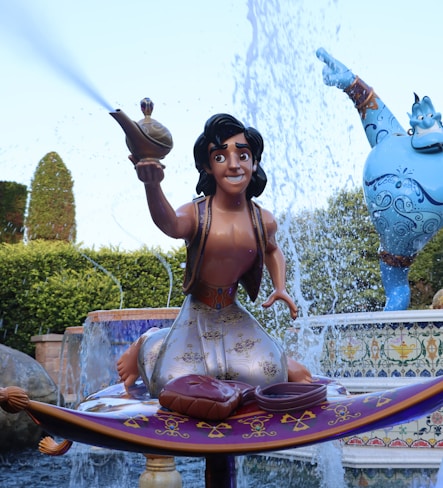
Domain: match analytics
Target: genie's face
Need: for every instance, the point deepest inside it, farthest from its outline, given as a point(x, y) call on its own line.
point(427, 129)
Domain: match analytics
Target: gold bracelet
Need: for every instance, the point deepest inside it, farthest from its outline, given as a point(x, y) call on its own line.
point(362, 95)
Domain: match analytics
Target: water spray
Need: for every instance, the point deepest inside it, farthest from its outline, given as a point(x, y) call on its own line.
point(20, 20)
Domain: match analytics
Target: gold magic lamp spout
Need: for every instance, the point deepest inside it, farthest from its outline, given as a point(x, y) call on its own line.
point(146, 138)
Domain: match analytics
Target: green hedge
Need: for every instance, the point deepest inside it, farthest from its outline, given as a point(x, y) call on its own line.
point(48, 286)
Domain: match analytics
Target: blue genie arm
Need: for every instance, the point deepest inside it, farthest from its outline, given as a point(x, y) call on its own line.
point(378, 121)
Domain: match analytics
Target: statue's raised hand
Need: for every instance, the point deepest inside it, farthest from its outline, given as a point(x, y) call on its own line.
point(334, 72)
point(150, 171)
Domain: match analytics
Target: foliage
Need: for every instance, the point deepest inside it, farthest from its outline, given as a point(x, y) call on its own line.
point(68, 295)
point(437, 267)
point(337, 249)
point(337, 260)
point(12, 211)
point(426, 274)
point(47, 286)
point(51, 212)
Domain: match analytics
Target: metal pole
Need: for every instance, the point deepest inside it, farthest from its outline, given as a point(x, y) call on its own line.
point(220, 471)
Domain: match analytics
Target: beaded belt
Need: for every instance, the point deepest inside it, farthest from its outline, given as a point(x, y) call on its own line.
point(215, 296)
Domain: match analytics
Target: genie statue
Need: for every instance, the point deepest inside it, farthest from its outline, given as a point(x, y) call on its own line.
point(402, 177)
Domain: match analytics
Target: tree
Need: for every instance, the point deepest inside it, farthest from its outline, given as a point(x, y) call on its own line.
point(12, 211)
point(336, 259)
point(337, 252)
point(426, 274)
point(51, 211)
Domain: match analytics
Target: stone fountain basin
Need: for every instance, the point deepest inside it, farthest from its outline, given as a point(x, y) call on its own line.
point(374, 351)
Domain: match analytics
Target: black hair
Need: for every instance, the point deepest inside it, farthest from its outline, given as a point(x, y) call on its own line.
point(217, 129)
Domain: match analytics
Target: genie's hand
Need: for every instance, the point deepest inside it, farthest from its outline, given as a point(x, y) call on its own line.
point(284, 296)
point(334, 72)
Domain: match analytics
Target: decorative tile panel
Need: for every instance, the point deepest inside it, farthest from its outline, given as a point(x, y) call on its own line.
point(406, 345)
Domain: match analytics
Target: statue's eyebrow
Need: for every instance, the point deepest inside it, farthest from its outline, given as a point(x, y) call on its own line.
point(221, 147)
point(217, 148)
point(242, 145)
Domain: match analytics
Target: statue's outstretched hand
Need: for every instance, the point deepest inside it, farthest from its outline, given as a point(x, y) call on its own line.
point(334, 72)
point(284, 296)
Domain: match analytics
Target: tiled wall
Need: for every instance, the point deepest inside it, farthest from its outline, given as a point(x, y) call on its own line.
point(385, 348)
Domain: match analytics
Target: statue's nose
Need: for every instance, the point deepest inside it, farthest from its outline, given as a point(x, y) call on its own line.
point(234, 162)
point(428, 121)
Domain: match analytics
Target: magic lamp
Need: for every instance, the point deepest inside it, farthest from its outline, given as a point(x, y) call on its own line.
point(147, 138)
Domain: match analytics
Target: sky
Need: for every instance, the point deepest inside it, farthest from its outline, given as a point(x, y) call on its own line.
point(66, 64)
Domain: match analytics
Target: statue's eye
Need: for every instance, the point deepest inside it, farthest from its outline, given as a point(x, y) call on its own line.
point(244, 156)
point(420, 117)
point(430, 115)
point(219, 158)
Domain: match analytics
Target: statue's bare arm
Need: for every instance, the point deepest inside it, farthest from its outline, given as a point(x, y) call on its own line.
point(276, 264)
point(174, 223)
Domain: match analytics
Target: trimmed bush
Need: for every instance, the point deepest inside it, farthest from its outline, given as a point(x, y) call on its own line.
point(48, 286)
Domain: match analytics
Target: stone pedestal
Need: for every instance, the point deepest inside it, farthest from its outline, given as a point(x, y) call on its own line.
point(47, 353)
point(160, 473)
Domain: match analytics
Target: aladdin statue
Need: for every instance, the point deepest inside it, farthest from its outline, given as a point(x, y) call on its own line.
point(402, 177)
point(229, 239)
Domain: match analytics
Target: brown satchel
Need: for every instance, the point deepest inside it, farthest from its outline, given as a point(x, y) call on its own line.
point(201, 397)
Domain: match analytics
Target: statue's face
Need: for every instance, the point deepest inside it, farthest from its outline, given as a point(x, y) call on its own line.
point(427, 129)
point(231, 164)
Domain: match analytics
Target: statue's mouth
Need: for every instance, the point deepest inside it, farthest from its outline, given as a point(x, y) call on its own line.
point(429, 148)
point(427, 140)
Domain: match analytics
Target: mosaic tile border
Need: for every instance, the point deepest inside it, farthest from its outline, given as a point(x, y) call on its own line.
point(405, 344)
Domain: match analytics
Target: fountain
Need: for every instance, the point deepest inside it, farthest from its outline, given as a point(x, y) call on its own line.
point(372, 351)
point(263, 418)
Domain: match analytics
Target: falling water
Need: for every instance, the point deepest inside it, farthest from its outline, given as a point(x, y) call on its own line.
point(275, 92)
point(107, 273)
point(280, 91)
